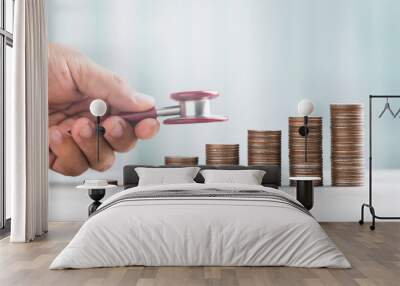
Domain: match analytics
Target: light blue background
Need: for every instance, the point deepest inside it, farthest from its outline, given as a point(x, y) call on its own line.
point(262, 56)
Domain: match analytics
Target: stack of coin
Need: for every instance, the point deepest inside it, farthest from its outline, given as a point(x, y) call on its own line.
point(298, 166)
point(222, 154)
point(181, 161)
point(264, 147)
point(347, 144)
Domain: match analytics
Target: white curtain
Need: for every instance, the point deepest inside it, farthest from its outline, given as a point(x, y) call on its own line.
point(27, 120)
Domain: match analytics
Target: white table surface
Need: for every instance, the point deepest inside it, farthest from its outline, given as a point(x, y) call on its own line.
point(305, 178)
point(87, 187)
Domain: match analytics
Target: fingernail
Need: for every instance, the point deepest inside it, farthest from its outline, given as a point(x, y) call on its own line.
point(144, 98)
point(117, 131)
point(86, 131)
point(55, 136)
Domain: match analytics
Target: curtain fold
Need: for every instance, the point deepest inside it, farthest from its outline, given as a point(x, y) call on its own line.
point(27, 146)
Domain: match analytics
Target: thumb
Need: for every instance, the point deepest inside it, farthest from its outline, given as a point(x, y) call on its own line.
point(95, 81)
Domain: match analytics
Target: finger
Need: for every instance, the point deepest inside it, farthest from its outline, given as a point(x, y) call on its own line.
point(67, 159)
point(66, 125)
point(52, 157)
point(119, 134)
point(84, 133)
point(55, 118)
point(95, 81)
point(147, 128)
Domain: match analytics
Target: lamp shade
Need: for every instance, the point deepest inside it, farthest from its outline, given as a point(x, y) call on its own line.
point(98, 107)
point(305, 107)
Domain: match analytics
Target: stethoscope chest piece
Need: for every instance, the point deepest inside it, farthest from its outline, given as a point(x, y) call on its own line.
point(194, 107)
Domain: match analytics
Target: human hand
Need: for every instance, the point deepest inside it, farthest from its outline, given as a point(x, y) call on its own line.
point(74, 81)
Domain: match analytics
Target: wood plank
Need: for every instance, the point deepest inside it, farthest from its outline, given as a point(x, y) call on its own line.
point(375, 257)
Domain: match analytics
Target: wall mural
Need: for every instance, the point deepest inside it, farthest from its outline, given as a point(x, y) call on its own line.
point(260, 65)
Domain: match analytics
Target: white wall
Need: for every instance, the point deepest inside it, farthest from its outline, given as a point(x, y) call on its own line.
point(263, 56)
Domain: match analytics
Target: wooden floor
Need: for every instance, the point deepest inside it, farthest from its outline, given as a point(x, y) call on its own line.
point(375, 257)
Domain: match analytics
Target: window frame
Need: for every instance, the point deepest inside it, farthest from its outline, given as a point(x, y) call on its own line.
point(6, 39)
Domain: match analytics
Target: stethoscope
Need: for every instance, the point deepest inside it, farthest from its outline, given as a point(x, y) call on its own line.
point(194, 107)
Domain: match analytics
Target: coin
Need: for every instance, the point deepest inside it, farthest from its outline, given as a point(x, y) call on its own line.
point(222, 154)
point(264, 147)
point(298, 166)
point(181, 160)
point(347, 144)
